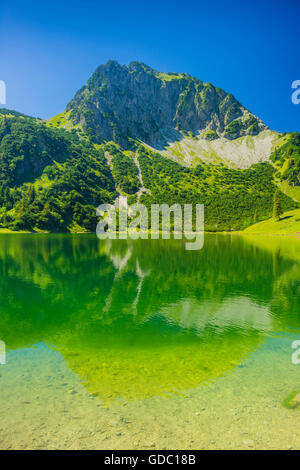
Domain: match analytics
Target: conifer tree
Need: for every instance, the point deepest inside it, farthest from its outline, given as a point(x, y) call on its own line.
point(277, 209)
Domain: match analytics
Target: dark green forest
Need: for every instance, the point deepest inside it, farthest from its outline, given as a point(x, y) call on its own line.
point(233, 199)
point(124, 170)
point(52, 179)
point(287, 158)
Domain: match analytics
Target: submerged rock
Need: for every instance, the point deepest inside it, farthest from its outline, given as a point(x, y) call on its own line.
point(292, 401)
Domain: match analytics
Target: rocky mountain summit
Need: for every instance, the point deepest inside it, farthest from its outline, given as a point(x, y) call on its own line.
point(122, 102)
point(151, 137)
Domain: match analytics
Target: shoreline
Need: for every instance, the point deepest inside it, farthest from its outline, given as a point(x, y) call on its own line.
point(242, 232)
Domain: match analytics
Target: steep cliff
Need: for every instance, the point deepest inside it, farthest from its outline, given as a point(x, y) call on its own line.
point(122, 102)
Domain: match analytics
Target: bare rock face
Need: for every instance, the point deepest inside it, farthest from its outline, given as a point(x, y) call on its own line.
point(137, 102)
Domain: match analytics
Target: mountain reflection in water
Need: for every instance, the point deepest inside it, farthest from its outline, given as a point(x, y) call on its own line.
point(136, 319)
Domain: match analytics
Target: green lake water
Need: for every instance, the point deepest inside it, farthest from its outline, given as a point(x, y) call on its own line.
point(141, 344)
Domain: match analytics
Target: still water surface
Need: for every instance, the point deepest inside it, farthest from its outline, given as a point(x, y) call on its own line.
point(142, 344)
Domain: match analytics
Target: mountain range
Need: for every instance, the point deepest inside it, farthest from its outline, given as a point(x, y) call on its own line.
point(151, 136)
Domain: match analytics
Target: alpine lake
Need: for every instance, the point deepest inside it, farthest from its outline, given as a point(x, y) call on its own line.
point(141, 344)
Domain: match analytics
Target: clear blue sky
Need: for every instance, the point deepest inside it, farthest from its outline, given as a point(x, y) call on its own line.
point(248, 48)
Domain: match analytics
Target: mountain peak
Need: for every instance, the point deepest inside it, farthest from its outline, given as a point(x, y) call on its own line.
point(121, 102)
point(134, 65)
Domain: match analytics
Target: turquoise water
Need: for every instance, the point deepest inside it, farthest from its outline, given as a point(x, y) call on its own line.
point(142, 344)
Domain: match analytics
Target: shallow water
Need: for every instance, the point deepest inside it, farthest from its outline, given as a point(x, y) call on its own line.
point(142, 344)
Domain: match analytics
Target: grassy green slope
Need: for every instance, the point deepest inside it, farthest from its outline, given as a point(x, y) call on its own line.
point(286, 159)
point(233, 198)
point(288, 224)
